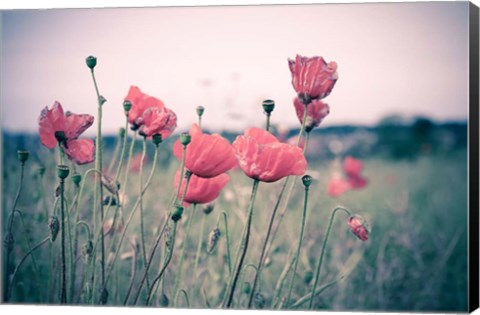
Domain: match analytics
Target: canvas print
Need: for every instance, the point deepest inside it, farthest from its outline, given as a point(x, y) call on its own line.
point(275, 157)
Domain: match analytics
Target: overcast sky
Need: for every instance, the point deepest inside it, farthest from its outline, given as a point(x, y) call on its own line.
point(407, 58)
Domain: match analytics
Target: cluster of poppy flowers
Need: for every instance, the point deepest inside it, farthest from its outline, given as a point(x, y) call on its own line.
point(258, 153)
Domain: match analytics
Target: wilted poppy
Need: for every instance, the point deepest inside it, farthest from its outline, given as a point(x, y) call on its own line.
point(312, 78)
point(202, 190)
point(57, 127)
point(156, 120)
point(140, 103)
point(207, 155)
point(316, 112)
point(337, 186)
point(358, 227)
point(261, 156)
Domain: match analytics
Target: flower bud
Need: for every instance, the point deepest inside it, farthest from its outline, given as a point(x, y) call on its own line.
point(8, 242)
point(53, 228)
point(91, 62)
point(200, 110)
point(121, 132)
point(157, 139)
point(177, 213)
point(185, 139)
point(127, 106)
point(247, 288)
point(213, 238)
point(307, 180)
point(259, 300)
point(268, 106)
point(76, 178)
point(22, 155)
point(208, 208)
point(164, 301)
point(87, 250)
point(359, 227)
point(63, 171)
point(308, 277)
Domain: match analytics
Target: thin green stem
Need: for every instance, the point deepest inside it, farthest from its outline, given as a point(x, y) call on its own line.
point(115, 155)
point(178, 276)
point(142, 228)
point(63, 290)
point(319, 266)
point(300, 239)
point(242, 249)
point(124, 147)
point(185, 295)
point(229, 259)
point(267, 125)
point(199, 245)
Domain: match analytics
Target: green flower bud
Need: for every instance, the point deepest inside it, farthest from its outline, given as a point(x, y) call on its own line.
point(185, 139)
point(307, 180)
point(247, 288)
point(308, 277)
point(101, 100)
point(268, 106)
point(63, 171)
point(22, 155)
point(200, 110)
point(76, 178)
point(127, 106)
point(121, 132)
point(91, 62)
point(208, 208)
point(177, 214)
point(157, 139)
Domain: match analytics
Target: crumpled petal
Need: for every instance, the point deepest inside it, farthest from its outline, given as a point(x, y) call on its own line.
point(75, 125)
point(80, 151)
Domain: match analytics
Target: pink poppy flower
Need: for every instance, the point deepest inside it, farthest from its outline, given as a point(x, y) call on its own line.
point(358, 227)
point(357, 182)
point(156, 120)
point(353, 168)
point(262, 157)
point(202, 190)
point(57, 127)
point(316, 112)
point(337, 186)
point(312, 78)
point(140, 103)
point(207, 155)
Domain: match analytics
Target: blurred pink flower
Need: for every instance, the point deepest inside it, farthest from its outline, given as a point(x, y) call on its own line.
point(337, 186)
point(156, 120)
point(261, 156)
point(357, 226)
point(57, 127)
point(316, 112)
point(353, 168)
point(312, 78)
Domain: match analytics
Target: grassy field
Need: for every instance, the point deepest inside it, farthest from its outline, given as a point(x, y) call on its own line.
point(415, 258)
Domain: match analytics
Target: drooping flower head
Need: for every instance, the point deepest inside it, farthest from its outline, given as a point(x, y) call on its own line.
point(206, 155)
point(312, 78)
point(140, 103)
point(202, 190)
point(57, 127)
point(359, 227)
point(316, 112)
point(261, 156)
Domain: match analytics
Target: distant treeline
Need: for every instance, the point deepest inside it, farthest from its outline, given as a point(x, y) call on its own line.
point(393, 137)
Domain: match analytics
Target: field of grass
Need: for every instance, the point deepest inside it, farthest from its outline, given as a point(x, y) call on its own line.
point(415, 258)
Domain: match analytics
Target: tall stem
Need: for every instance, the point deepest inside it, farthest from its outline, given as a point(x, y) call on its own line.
point(63, 292)
point(300, 239)
point(319, 266)
point(242, 249)
point(142, 228)
point(178, 276)
point(267, 126)
point(199, 245)
point(8, 241)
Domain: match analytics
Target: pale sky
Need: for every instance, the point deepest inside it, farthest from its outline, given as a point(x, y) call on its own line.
point(407, 58)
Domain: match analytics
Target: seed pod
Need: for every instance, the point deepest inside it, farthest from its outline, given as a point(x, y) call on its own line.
point(259, 300)
point(164, 301)
point(127, 105)
point(177, 213)
point(53, 228)
point(200, 110)
point(268, 106)
point(22, 155)
point(185, 138)
point(8, 242)
point(247, 288)
point(213, 238)
point(91, 62)
point(308, 277)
